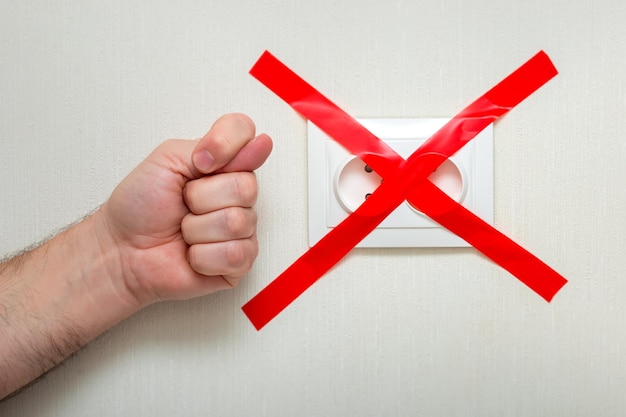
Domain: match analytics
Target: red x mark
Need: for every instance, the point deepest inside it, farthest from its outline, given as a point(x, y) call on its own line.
point(404, 179)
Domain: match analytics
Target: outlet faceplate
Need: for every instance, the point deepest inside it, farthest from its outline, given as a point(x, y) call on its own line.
point(339, 182)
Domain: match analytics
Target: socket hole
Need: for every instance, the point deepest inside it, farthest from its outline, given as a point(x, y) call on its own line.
point(354, 183)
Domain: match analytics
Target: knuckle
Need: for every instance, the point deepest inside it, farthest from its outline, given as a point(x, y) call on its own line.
point(243, 121)
point(237, 257)
point(221, 142)
point(246, 188)
point(236, 221)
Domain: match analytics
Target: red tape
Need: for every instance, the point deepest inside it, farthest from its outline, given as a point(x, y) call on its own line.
point(403, 180)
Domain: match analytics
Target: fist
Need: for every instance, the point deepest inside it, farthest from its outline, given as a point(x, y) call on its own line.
point(183, 220)
point(221, 232)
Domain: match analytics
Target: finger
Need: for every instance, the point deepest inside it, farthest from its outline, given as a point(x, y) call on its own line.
point(232, 189)
point(229, 259)
point(228, 135)
point(251, 156)
point(231, 223)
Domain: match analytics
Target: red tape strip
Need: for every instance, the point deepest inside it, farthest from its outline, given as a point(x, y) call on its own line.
point(403, 179)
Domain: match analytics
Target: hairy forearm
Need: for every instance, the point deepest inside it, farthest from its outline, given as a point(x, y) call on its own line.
point(57, 297)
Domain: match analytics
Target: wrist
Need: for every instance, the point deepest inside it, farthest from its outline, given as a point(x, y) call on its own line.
point(77, 276)
point(109, 271)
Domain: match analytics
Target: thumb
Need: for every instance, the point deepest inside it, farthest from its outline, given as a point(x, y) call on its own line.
point(228, 135)
point(251, 156)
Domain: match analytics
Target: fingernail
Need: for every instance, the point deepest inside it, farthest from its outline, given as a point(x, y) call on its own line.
point(204, 161)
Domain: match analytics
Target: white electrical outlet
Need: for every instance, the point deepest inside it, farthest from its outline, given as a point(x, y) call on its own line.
point(339, 182)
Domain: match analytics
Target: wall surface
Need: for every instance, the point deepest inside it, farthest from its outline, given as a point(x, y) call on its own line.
point(87, 89)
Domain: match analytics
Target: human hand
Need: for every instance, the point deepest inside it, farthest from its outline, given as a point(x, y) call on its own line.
point(183, 221)
point(180, 225)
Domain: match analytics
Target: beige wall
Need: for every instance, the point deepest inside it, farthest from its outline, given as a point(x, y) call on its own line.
point(87, 89)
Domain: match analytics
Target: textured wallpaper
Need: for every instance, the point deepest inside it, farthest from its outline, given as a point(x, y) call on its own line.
point(88, 89)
